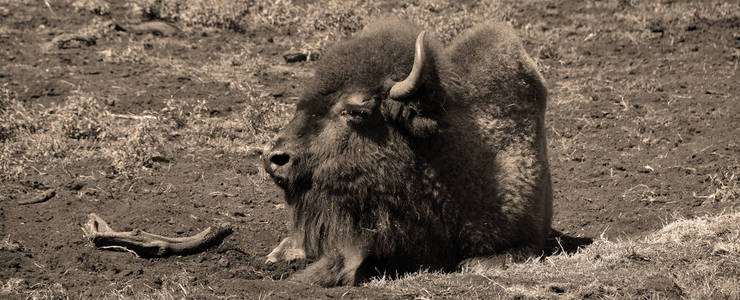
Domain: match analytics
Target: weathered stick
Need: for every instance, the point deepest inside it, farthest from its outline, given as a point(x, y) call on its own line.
point(145, 244)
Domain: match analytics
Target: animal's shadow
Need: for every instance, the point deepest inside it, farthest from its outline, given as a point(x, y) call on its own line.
point(560, 243)
point(557, 243)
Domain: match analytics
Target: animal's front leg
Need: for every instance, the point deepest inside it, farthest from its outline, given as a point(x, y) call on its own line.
point(287, 250)
point(336, 268)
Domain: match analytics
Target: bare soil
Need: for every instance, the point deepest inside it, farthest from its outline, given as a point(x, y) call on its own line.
point(623, 164)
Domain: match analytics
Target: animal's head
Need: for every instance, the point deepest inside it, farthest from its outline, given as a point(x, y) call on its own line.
point(373, 97)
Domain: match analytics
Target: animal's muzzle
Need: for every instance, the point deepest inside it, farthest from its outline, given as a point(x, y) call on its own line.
point(278, 164)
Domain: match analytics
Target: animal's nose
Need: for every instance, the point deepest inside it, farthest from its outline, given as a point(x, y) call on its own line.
point(278, 160)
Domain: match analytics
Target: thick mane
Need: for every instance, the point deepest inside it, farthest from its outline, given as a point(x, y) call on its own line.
point(383, 50)
point(373, 208)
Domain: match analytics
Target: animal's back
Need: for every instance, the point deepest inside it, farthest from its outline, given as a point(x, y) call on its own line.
point(492, 66)
point(505, 98)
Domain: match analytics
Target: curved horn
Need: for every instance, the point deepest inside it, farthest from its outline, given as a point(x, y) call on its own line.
point(408, 86)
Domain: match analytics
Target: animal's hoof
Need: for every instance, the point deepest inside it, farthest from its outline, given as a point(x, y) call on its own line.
point(293, 254)
point(271, 260)
point(282, 253)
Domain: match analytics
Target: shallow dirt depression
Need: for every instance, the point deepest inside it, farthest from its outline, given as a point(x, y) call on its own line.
point(159, 127)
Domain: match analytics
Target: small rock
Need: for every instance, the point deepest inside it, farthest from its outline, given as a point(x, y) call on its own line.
point(12, 246)
point(223, 262)
point(159, 159)
point(294, 57)
point(721, 249)
point(556, 289)
point(74, 185)
point(278, 94)
point(255, 151)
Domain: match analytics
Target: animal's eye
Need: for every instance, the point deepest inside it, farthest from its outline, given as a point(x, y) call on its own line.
point(356, 113)
point(357, 107)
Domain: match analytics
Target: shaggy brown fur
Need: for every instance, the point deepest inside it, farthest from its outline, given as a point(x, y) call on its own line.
point(456, 170)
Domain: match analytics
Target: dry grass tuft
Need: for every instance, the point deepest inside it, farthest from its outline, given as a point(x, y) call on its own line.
point(81, 128)
point(692, 258)
point(181, 285)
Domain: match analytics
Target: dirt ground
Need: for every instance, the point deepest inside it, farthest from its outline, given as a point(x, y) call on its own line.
point(655, 139)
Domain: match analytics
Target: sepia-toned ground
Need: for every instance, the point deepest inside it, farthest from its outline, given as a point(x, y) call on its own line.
point(161, 129)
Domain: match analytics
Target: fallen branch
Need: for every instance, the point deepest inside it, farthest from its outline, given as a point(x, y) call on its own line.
point(145, 244)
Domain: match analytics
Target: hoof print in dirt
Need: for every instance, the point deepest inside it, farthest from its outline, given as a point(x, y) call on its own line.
point(145, 244)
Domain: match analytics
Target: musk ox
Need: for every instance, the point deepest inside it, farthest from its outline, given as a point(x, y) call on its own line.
point(404, 154)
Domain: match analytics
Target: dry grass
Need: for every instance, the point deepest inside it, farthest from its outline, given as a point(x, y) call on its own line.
point(694, 258)
point(81, 128)
point(173, 286)
point(319, 23)
point(690, 258)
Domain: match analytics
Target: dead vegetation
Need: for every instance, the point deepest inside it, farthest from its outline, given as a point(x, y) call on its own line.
point(689, 258)
point(82, 129)
point(641, 135)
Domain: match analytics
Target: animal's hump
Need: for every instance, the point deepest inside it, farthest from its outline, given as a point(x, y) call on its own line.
point(493, 66)
point(492, 47)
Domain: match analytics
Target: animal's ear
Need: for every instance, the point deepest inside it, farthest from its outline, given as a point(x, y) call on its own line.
point(407, 107)
point(409, 115)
